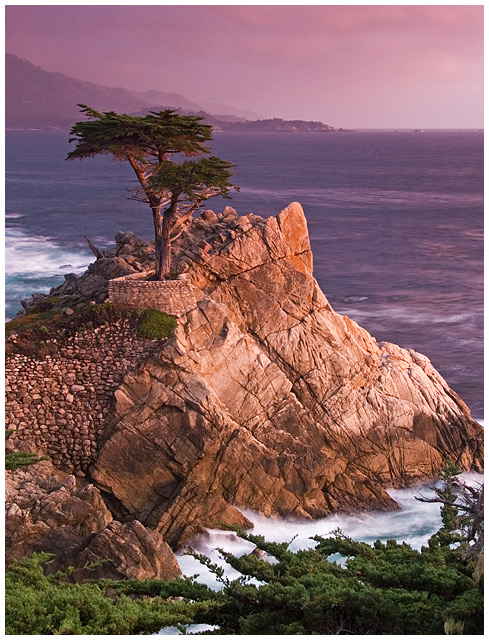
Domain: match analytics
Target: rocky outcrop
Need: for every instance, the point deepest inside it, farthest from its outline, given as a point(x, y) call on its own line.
point(131, 255)
point(267, 399)
point(50, 511)
point(122, 551)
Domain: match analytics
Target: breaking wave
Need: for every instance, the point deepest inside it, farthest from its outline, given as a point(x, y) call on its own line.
point(37, 264)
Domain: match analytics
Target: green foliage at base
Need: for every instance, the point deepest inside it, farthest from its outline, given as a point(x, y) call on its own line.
point(388, 589)
point(36, 604)
point(384, 589)
point(156, 324)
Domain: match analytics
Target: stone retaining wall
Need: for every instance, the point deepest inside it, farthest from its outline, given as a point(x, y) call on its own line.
point(174, 297)
point(60, 405)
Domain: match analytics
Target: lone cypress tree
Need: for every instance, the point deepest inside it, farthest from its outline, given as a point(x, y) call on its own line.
point(150, 144)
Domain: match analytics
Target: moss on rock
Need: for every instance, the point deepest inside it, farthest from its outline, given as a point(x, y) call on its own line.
point(156, 324)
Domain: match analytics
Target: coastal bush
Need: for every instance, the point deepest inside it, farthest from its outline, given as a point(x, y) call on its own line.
point(100, 313)
point(17, 459)
point(37, 604)
point(156, 324)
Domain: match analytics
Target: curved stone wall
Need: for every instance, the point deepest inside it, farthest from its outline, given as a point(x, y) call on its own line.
point(174, 297)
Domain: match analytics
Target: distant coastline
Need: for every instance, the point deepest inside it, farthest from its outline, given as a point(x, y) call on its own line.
point(37, 99)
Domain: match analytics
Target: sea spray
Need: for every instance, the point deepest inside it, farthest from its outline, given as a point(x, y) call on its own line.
point(36, 264)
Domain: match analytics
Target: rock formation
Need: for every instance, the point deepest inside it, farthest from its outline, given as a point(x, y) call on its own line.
point(264, 398)
point(267, 399)
point(50, 511)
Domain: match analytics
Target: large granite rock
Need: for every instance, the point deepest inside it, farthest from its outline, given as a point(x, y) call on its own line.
point(122, 551)
point(267, 399)
point(50, 511)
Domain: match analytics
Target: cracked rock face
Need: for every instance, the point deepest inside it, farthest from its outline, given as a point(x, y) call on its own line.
point(50, 511)
point(267, 399)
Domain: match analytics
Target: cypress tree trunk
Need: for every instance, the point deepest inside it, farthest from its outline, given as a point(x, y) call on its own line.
point(163, 242)
point(165, 249)
point(157, 221)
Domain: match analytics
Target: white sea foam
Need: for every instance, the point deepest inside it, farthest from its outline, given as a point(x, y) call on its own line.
point(35, 257)
point(36, 264)
point(403, 314)
point(191, 629)
point(356, 298)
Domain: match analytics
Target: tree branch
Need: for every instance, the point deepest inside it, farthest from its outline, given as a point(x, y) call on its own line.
point(96, 252)
point(173, 238)
point(446, 502)
point(153, 200)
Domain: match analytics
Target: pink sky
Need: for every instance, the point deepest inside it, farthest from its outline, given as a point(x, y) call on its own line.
point(349, 66)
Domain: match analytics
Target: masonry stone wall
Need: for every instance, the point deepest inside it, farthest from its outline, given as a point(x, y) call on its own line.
point(61, 405)
point(174, 297)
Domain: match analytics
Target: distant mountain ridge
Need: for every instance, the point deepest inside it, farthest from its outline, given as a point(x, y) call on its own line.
point(36, 98)
point(40, 99)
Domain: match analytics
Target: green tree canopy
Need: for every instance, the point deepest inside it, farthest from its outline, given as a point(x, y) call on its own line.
point(154, 146)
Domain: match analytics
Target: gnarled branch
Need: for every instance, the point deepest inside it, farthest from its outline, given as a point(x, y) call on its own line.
point(96, 252)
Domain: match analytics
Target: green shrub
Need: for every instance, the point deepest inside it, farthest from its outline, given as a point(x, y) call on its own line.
point(389, 589)
point(36, 604)
point(18, 459)
point(28, 321)
point(99, 313)
point(156, 324)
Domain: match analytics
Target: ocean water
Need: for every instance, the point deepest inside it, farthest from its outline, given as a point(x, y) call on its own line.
point(395, 219)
